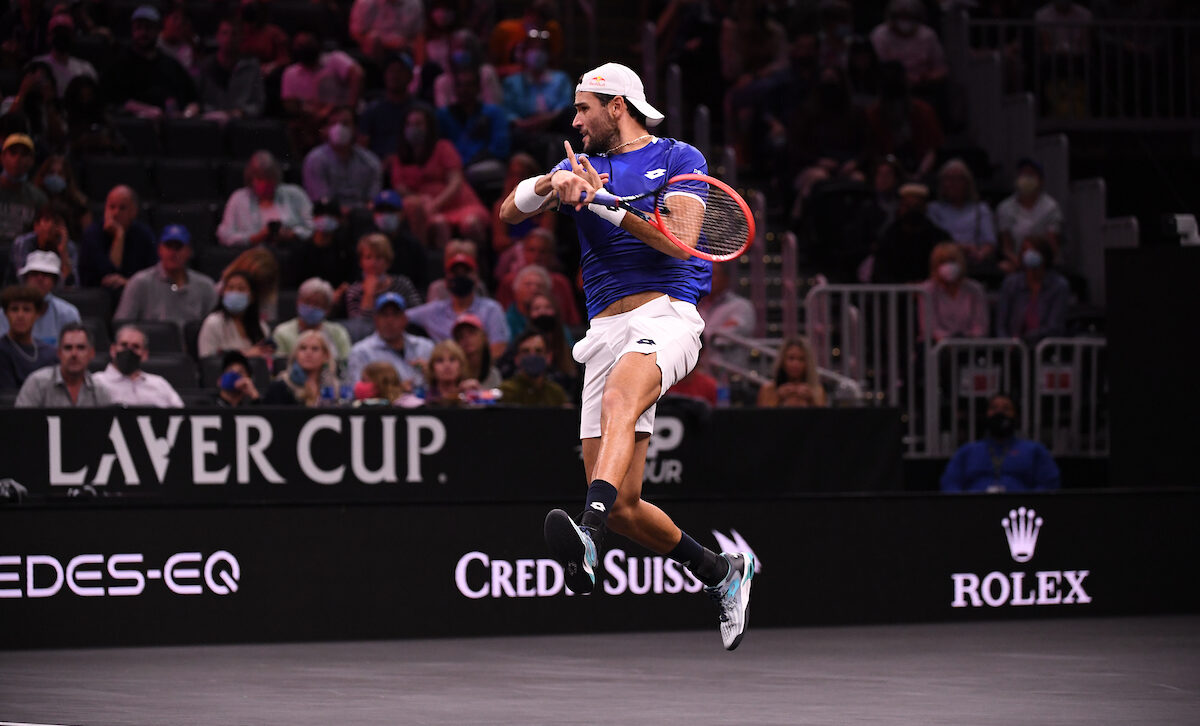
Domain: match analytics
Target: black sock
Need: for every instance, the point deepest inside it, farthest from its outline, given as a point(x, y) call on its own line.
point(708, 567)
point(600, 499)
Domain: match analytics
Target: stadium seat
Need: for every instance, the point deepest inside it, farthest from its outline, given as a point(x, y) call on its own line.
point(193, 137)
point(187, 180)
point(99, 362)
point(179, 369)
point(216, 258)
point(285, 305)
point(98, 327)
point(164, 335)
point(247, 136)
point(200, 218)
point(95, 49)
point(191, 337)
point(92, 301)
point(140, 134)
point(102, 173)
point(8, 398)
point(197, 397)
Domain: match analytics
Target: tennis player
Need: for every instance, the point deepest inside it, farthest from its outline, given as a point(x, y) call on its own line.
point(644, 332)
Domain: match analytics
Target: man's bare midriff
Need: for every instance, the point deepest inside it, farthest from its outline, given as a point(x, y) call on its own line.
point(630, 302)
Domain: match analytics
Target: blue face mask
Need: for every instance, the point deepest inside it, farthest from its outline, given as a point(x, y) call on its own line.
point(54, 183)
point(325, 224)
point(387, 222)
point(310, 314)
point(235, 301)
point(1032, 259)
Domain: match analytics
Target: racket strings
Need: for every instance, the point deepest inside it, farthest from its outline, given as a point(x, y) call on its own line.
point(722, 228)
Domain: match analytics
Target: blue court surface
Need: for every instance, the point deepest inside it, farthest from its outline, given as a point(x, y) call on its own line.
point(1080, 671)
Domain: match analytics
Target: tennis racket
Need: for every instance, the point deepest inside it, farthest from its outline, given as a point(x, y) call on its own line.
point(701, 215)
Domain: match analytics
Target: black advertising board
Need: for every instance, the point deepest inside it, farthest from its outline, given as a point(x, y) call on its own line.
point(85, 576)
point(394, 455)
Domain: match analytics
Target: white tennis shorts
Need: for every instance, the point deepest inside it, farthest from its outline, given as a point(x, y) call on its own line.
point(670, 329)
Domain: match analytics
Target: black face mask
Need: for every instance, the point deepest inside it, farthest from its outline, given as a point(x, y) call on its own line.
point(127, 362)
point(545, 323)
point(460, 285)
point(534, 365)
point(1000, 426)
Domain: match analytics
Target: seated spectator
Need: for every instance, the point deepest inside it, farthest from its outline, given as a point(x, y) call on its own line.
point(310, 368)
point(438, 317)
point(1028, 212)
point(448, 380)
point(1033, 300)
point(229, 84)
point(466, 51)
point(507, 238)
point(340, 170)
point(410, 258)
point(56, 179)
point(169, 290)
point(19, 199)
point(90, 130)
point(379, 386)
point(795, 381)
point(959, 307)
point(478, 130)
point(383, 120)
point(437, 289)
point(723, 310)
point(545, 318)
point(328, 253)
point(531, 384)
point(904, 250)
point(117, 247)
point(1002, 461)
point(49, 235)
point(539, 99)
point(374, 258)
point(428, 174)
point(314, 300)
point(265, 210)
point(127, 383)
point(36, 107)
point(529, 281)
point(381, 27)
point(968, 220)
point(468, 332)
point(20, 353)
point(886, 178)
point(539, 249)
point(143, 80)
point(68, 384)
point(862, 72)
point(901, 125)
point(178, 38)
point(407, 353)
point(41, 272)
point(235, 387)
point(236, 323)
point(905, 39)
point(316, 86)
point(508, 35)
point(441, 22)
point(60, 61)
point(262, 39)
point(262, 267)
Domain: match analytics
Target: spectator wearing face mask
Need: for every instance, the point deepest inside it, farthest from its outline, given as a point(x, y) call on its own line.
point(314, 300)
point(959, 307)
point(236, 323)
point(438, 317)
point(265, 210)
point(1002, 461)
point(339, 169)
point(466, 51)
point(127, 383)
point(545, 317)
point(235, 386)
point(410, 256)
point(1033, 300)
point(41, 272)
point(538, 99)
point(56, 179)
point(438, 289)
point(62, 64)
point(1028, 212)
point(531, 385)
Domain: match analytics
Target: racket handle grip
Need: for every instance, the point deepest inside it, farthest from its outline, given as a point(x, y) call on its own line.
point(605, 199)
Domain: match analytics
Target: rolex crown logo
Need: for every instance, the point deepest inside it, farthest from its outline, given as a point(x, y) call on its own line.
point(1021, 527)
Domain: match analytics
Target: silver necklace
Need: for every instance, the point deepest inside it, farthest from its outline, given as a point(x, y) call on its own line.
point(627, 143)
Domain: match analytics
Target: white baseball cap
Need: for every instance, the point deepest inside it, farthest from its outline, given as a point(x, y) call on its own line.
point(42, 261)
point(615, 79)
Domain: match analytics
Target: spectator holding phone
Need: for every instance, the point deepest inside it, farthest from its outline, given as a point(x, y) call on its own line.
point(235, 324)
point(235, 387)
point(265, 210)
point(795, 381)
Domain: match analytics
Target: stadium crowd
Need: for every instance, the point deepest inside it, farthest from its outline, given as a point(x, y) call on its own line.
point(292, 202)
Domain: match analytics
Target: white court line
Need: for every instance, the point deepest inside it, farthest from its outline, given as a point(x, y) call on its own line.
point(21, 723)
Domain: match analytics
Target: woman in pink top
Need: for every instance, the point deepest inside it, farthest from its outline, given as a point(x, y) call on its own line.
point(959, 304)
point(427, 172)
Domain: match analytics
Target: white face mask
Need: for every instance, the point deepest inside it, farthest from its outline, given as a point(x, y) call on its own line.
point(340, 135)
point(949, 271)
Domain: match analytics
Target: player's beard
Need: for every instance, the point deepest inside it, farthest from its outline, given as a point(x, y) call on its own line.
point(602, 139)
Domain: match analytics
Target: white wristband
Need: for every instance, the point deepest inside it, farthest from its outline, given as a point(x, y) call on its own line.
point(528, 200)
point(613, 215)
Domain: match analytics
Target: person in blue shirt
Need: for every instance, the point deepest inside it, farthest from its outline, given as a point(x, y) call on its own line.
point(1001, 461)
point(644, 332)
point(478, 130)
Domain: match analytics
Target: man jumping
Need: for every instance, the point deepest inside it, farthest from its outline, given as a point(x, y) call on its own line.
point(643, 337)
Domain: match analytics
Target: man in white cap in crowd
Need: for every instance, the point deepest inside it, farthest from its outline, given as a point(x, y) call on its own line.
point(41, 271)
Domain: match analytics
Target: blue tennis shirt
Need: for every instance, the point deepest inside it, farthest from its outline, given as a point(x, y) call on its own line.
point(614, 262)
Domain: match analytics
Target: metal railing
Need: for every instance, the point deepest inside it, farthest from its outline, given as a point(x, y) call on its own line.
point(1102, 73)
point(1069, 397)
point(754, 360)
point(962, 375)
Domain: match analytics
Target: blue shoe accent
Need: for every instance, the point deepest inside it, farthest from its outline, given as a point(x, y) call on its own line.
point(574, 549)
